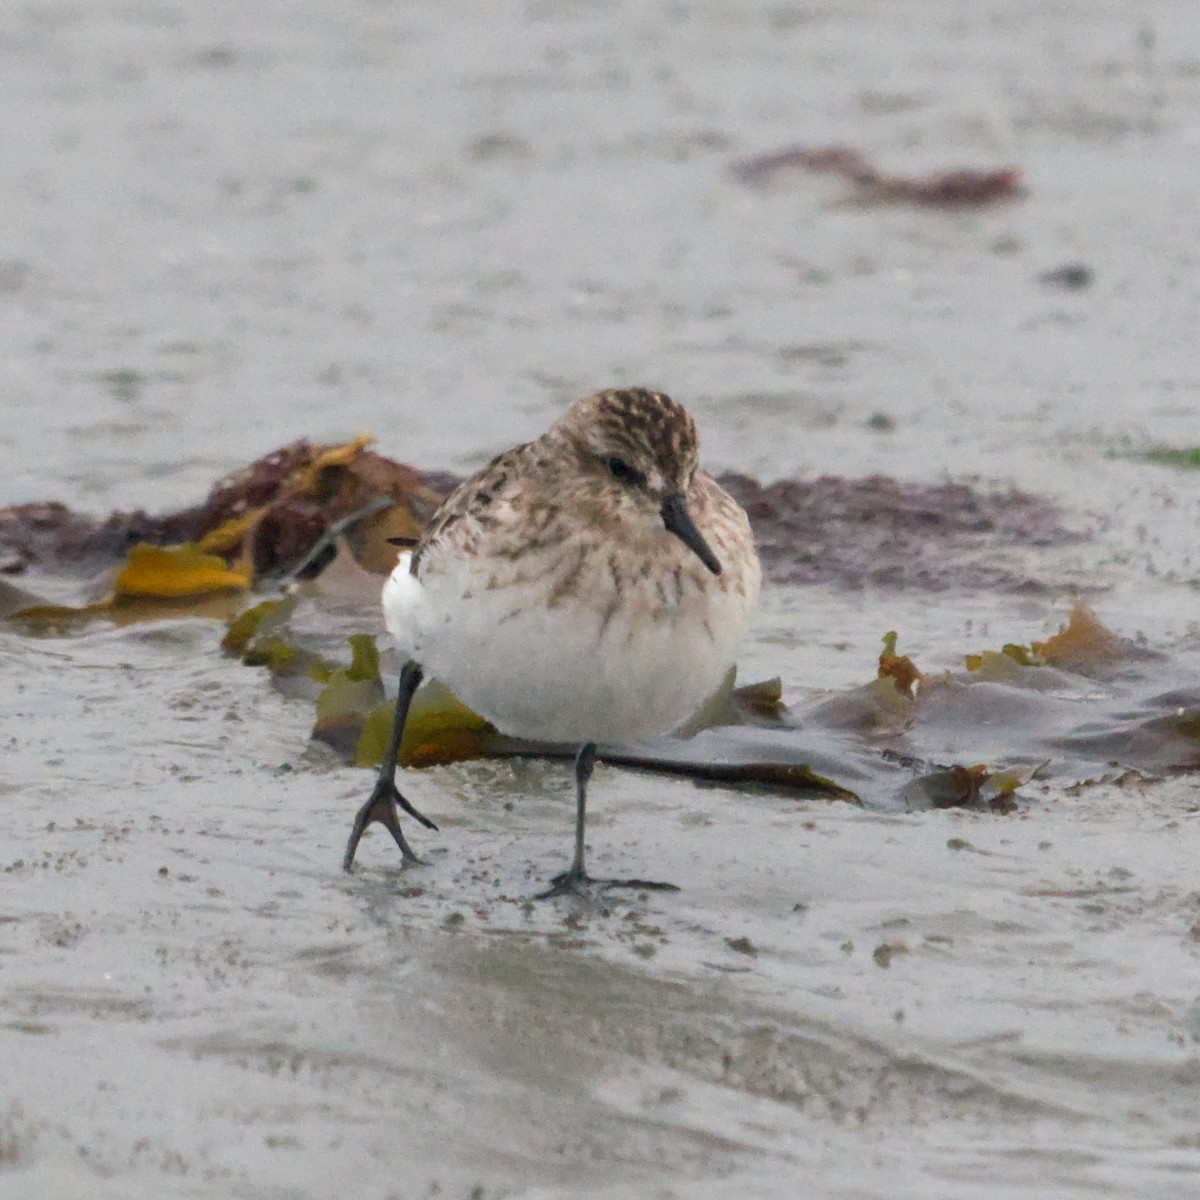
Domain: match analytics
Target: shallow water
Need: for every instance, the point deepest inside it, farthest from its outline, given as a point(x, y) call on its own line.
point(224, 232)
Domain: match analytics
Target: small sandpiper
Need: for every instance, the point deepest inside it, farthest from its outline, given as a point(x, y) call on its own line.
point(586, 587)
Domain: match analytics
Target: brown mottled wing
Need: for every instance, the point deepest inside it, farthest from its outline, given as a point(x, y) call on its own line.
point(471, 497)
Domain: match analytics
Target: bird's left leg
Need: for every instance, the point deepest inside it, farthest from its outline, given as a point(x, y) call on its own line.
point(575, 880)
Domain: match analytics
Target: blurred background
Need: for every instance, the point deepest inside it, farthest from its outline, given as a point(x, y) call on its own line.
point(226, 226)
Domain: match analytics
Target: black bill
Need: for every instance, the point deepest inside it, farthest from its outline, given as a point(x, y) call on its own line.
point(679, 522)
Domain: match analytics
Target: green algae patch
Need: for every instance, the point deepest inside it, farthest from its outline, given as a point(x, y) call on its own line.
point(1172, 456)
point(440, 729)
point(255, 622)
point(350, 695)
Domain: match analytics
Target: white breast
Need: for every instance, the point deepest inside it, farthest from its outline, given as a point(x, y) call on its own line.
point(576, 671)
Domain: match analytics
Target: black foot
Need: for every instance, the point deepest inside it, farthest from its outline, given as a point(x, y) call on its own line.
point(579, 883)
point(381, 807)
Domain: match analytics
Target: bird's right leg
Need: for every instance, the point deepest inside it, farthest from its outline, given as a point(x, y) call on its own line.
point(385, 797)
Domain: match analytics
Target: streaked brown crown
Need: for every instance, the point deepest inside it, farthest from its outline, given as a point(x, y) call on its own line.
point(649, 430)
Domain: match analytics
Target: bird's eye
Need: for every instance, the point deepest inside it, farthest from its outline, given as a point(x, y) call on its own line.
point(619, 469)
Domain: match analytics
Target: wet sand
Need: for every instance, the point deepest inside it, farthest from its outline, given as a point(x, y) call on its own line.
point(225, 231)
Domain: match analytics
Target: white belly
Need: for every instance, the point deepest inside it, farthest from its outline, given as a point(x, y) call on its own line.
point(571, 673)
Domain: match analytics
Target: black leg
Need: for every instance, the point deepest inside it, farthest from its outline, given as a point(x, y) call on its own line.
point(585, 764)
point(381, 805)
point(575, 880)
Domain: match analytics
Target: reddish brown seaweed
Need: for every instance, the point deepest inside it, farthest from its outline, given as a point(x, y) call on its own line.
point(961, 187)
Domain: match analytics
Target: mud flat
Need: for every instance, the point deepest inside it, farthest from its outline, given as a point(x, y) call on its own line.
point(223, 232)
